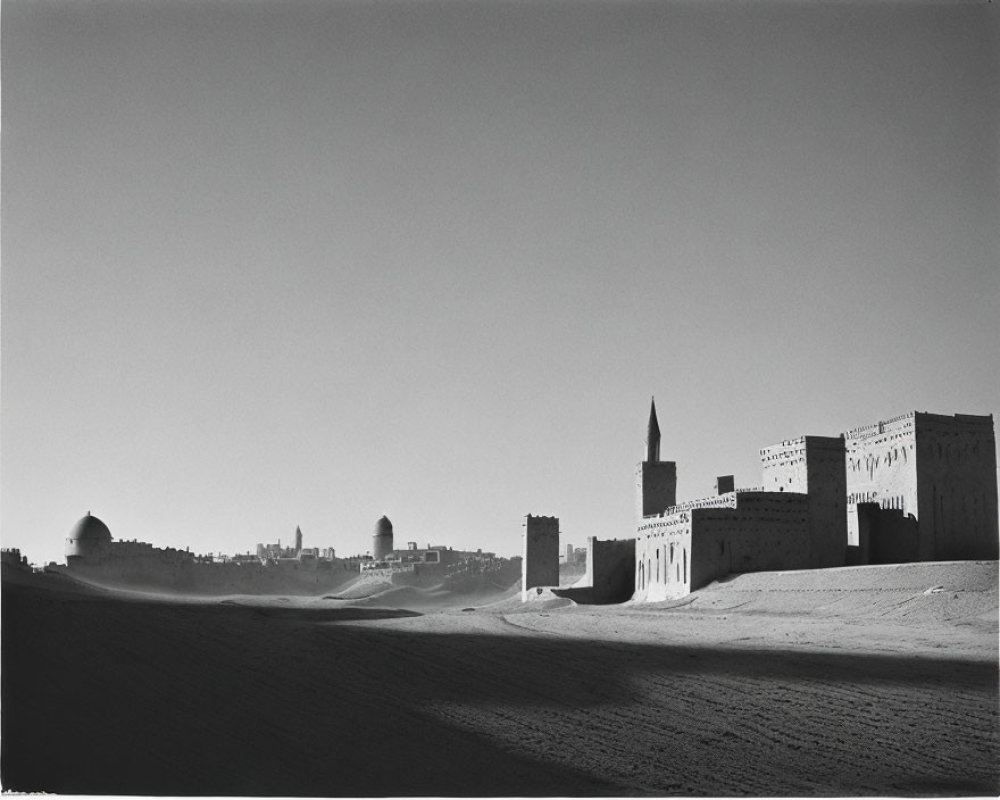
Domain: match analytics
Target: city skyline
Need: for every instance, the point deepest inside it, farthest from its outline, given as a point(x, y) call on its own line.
point(269, 265)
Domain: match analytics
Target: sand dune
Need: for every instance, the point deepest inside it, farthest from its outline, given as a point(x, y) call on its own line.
point(846, 682)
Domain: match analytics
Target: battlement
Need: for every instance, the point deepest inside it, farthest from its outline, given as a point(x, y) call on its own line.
point(874, 429)
point(907, 421)
point(726, 500)
point(741, 498)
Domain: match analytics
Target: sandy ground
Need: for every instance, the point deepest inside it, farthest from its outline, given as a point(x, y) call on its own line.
point(860, 681)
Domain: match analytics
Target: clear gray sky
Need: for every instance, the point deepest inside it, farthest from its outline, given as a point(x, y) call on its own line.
point(269, 264)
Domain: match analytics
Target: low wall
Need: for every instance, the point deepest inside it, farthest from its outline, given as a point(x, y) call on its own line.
point(610, 575)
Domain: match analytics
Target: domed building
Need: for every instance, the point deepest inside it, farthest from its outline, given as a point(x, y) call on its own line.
point(90, 537)
point(382, 539)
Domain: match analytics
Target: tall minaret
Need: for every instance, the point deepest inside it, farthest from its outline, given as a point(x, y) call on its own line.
point(298, 540)
point(655, 480)
point(653, 435)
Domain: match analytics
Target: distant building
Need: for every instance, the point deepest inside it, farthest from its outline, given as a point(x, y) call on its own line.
point(90, 543)
point(11, 557)
point(276, 554)
point(434, 559)
point(91, 551)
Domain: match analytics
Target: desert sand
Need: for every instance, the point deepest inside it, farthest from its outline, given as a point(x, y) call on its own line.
point(857, 681)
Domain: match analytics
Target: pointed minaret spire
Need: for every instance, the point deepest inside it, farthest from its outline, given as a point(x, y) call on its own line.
point(653, 435)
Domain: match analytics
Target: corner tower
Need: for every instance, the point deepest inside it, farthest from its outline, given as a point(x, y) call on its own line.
point(655, 480)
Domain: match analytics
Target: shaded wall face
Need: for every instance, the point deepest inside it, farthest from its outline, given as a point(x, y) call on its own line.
point(957, 483)
point(611, 567)
point(655, 486)
point(540, 566)
point(886, 536)
point(827, 489)
point(881, 468)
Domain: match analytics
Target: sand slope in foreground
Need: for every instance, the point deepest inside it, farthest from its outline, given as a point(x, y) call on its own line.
point(737, 691)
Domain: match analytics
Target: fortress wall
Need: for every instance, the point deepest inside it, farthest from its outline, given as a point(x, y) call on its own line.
point(767, 531)
point(663, 558)
point(685, 550)
point(881, 467)
point(956, 467)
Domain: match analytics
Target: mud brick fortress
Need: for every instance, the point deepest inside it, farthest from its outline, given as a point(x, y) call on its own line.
point(920, 487)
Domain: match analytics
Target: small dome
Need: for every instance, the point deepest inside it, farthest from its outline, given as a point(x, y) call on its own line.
point(90, 530)
point(383, 526)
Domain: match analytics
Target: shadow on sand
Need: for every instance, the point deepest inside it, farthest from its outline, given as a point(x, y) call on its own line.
point(235, 611)
point(106, 697)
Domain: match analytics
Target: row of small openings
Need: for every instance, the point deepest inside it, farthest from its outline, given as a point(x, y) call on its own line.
point(895, 502)
point(862, 497)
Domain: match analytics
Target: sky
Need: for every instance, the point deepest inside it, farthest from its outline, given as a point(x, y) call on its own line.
point(296, 263)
